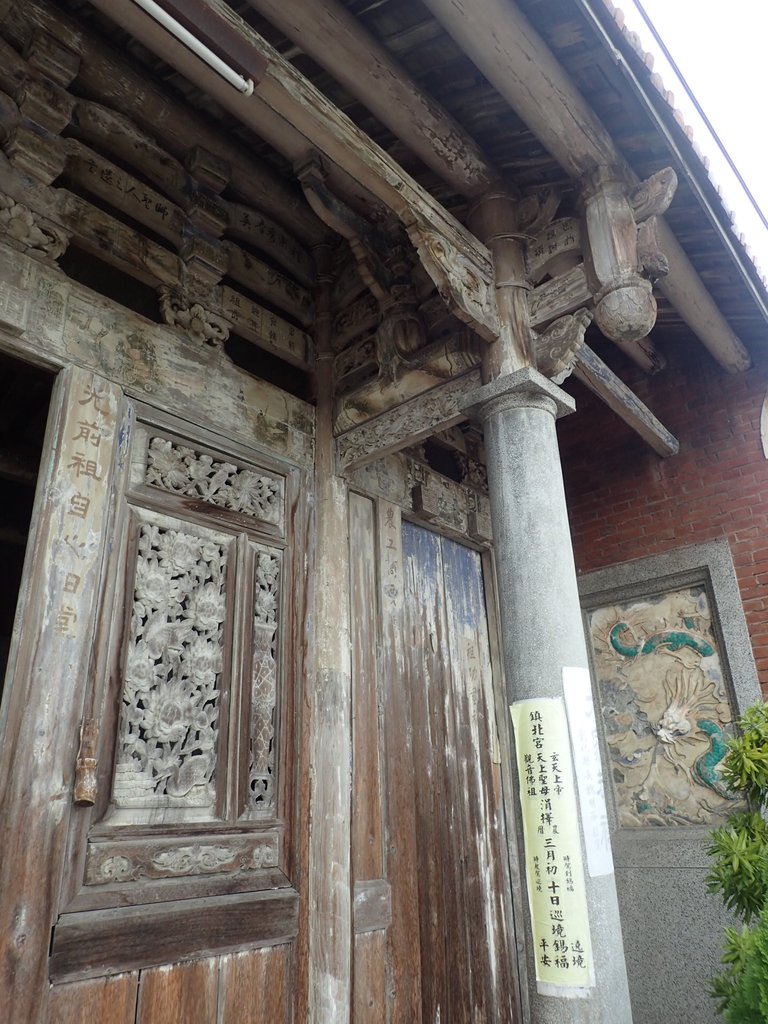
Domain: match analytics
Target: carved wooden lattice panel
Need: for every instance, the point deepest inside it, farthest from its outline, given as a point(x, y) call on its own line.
point(182, 470)
point(170, 703)
point(266, 605)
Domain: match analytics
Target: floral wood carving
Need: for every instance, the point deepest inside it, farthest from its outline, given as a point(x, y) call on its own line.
point(182, 470)
point(30, 232)
point(200, 324)
point(131, 861)
point(261, 767)
point(170, 701)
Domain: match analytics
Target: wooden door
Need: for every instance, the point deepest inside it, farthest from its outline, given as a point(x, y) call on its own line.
point(448, 954)
point(149, 757)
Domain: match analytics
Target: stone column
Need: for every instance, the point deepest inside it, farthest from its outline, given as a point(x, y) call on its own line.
point(541, 626)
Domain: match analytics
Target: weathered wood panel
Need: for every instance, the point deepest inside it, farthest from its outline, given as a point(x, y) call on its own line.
point(438, 812)
point(369, 999)
point(373, 905)
point(486, 887)
point(48, 668)
point(96, 942)
point(70, 323)
point(404, 945)
point(182, 993)
point(100, 1001)
point(462, 884)
point(328, 698)
point(373, 910)
point(367, 848)
point(254, 987)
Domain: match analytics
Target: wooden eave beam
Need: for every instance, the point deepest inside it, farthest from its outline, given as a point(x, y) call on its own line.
point(134, 95)
point(443, 406)
point(517, 62)
point(294, 117)
point(334, 38)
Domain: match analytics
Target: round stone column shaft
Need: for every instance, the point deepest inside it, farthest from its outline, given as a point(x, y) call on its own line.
point(541, 628)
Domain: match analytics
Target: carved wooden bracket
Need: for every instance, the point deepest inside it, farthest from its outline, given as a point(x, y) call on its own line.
point(625, 308)
point(557, 348)
point(364, 240)
point(463, 279)
point(537, 210)
point(385, 263)
point(199, 323)
point(28, 231)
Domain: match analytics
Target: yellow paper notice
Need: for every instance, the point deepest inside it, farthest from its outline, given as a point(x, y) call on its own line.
point(554, 869)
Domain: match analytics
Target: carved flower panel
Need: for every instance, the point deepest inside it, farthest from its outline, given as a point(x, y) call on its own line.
point(666, 712)
point(264, 677)
point(226, 855)
point(182, 470)
point(170, 701)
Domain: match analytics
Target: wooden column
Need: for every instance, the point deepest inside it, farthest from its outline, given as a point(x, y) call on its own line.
point(329, 701)
point(48, 670)
point(494, 220)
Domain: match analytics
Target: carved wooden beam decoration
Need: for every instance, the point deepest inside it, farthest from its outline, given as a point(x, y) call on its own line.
point(517, 62)
point(625, 306)
point(102, 71)
point(550, 244)
point(465, 282)
point(364, 240)
point(558, 347)
point(407, 424)
point(434, 365)
point(443, 406)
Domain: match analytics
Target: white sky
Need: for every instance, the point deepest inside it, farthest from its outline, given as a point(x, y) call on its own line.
point(720, 48)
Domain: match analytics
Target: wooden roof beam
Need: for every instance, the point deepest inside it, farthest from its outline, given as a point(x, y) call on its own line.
point(517, 62)
point(121, 87)
point(295, 117)
point(334, 38)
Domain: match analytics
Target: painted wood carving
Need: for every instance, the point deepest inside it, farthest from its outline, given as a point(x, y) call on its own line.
point(665, 708)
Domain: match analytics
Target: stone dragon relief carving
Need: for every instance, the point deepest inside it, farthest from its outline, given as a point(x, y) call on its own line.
point(182, 470)
point(107, 864)
point(170, 701)
point(266, 605)
point(28, 231)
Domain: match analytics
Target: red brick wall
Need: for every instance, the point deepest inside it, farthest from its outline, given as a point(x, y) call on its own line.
point(626, 502)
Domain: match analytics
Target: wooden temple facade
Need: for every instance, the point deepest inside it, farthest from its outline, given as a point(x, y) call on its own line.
point(286, 347)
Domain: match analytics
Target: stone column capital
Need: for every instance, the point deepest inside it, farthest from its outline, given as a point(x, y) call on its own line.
point(523, 389)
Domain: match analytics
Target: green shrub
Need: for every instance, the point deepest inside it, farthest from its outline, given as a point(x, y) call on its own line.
point(739, 875)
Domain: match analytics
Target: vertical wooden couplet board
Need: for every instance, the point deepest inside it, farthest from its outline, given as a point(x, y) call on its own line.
point(48, 670)
point(449, 952)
